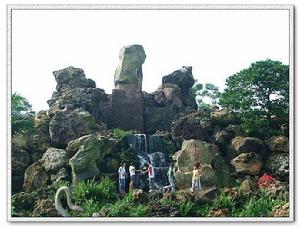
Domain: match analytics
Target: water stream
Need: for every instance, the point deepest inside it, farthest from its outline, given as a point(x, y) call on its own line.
point(150, 148)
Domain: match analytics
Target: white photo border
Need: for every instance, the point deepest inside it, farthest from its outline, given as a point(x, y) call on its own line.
point(290, 8)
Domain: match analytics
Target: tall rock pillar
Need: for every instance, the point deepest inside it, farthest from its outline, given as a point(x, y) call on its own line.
point(127, 101)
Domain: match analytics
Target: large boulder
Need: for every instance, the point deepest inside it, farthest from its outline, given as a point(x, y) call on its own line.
point(54, 159)
point(20, 159)
point(192, 126)
point(129, 75)
point(74, 145)
point(195, 151)
point(69, 125)
point(93, 100)
point(278, 164)
point(45, 208)
point(183, 78)
point(278, 144)
point(70, 78)
point(223, 117)
point(84, 162)
point(236, 130)
point(35, 177)
point(247, 163)
point(246, 145)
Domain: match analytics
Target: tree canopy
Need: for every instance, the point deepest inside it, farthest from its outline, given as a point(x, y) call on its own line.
point(207, 91)
point(22, 116)
point(260, 95)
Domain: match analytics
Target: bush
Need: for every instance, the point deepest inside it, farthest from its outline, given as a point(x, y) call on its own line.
point(101, 193)
point(120, 133)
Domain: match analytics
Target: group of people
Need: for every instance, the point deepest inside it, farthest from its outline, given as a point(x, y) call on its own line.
point(134, 176)
point(149, 170)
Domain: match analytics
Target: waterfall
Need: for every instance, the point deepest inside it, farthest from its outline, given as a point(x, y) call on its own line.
point(150, 148)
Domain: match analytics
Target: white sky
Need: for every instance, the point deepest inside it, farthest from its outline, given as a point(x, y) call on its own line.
point(217, 43)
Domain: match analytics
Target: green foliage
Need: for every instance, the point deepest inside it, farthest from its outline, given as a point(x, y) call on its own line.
point(120, 133)
point(186, 208)
point(207, 91)
point(126, 207)
point(259, 206)
point(99, 193)
point(224, 200)
point(259, 94)
point(22, 117)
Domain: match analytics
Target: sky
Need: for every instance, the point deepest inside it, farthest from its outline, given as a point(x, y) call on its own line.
point(216, 43)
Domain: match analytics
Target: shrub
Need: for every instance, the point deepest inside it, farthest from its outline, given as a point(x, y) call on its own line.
point(120, 133)
point(186, 208)
point(102, 192)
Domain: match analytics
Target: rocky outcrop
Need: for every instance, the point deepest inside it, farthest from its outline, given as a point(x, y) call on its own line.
point(192, 126)
point(77, 108)
point(195, 151)
point(129, 75)
point(278, 164)
point(35, 177)
point(45, 208)
point(247, 163)
point(54, 161)
point(278, 144)
point(20, 159)
point(127, 101)
point(223, 117)
point(247, 145)
point(69, 125)
point(84, 162)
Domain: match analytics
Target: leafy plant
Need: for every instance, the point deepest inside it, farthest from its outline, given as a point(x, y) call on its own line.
point(120, 133)
point(260, 96)
point(22, 116)
point(99, 192)
point(207, 92)
point(186, 208)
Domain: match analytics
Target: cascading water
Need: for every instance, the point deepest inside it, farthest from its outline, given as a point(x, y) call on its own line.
point(150, 148)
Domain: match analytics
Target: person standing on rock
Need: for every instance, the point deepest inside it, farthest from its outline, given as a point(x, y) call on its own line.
point(171, 176)
point(151, 176)
point(196, 182)
point(122, 175)
point(133, 177)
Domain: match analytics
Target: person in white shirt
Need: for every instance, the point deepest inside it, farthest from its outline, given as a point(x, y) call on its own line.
point(133, 176)
point(122, 174)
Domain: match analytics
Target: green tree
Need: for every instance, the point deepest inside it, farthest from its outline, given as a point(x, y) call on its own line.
point(22, 116)
point(208, 91)
point(260, 95)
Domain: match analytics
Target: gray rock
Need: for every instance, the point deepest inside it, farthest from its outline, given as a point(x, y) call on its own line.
point(35, 177)
point(183, 78)
point(215, 171)
point(128, 75)
point(278, 144)
point(223, 137)
point(236, 129)
point(278, 163)
point(247, 145)
point(248, 163)
point(84, 162)
point(20, 160)
point(61, 175)
point(69, 125)
point(54, 159)
point(70, 78)
point(74, 145)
